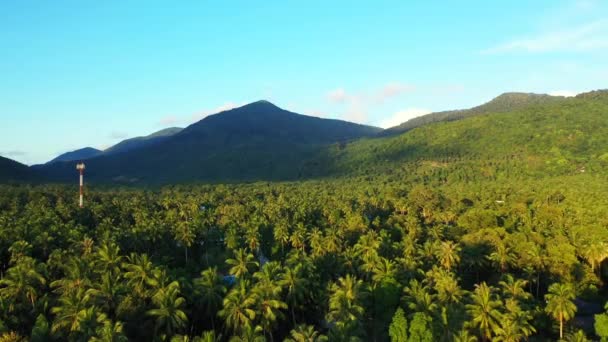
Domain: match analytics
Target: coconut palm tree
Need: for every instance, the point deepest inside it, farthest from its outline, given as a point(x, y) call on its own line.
point(108, 258)
point(242, 263)
point(168, 310)
point(210, 289)
point(66, 312)
point(484, 312)
point(305, 333)
point(139, 272)
point(237, 311)
point(249, 334)
point(345, 301)
point(448, 254)
point(23, 282)
point(560, 304)
point(295, 286)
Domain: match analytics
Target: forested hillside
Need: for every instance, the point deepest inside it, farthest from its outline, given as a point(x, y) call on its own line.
point(253, 142)
point(506, 102)
point(493, 227)
point(11, 171)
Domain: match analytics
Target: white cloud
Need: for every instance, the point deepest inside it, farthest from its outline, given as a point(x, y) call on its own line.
point(402, 116)
point(587, 37)
point(337, 95)
point(168, 120)
point(358, 104)
point(566, 93)
point(391, 90)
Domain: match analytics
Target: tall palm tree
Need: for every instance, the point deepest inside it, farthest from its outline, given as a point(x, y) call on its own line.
point(418, 298)
point(66, 313)
point(448, 254)
point(242, 263)
point(514, 288)
point(139, 272)
point(110, 332)
point(305, 333)
point(23, 282)
point(295, 286)
point(268, 294)
point(237, 311)
point(210, 289)
point(595, 253)
point(249, 334)
point(345, 301)
point(560, 305)
point(168, 311)
point(484, 312)
point(106, 294)
point(108, 258)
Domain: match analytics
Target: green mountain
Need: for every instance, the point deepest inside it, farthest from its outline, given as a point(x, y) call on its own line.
point(514, 135)
point(80, 154)
point(11, 170)
point(504, 103)
point(255, 141)
point(558, 136)
point(139, 142)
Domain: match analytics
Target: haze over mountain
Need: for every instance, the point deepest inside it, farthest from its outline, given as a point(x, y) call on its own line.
point(255, 141)
point(261, 141)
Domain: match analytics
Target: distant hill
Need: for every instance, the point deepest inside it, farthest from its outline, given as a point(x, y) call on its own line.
point(138, 142)
point(503, 103)
point(11, 170)
point(252, 142)
point(553, 136)
point(83, 153)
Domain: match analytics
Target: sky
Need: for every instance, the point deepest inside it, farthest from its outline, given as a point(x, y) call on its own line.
point(92, 73)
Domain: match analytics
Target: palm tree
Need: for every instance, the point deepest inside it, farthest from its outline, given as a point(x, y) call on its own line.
point(514, 288)
point(595, 253)
point(210, 289)
point(484, 310)
point(268, 294)
point(295, 286)
point(90, 322)
point(560, 305)
point(502, 256)
point(249, 334)
point(108, 258)
point(168, 312)
point(238, 311)
point(464, 336)
point(305, 333)
point(22, 282)
point(77, 276)
point(242, 264)
point(106, 294)
point(448, 254)
point(418, 298)
point(66, 313)
point(139, 272)
point(110, 332)
point(344, 301)
point(281, 235)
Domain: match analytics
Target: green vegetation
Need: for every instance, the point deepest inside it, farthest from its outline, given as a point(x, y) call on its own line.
point(489, 228)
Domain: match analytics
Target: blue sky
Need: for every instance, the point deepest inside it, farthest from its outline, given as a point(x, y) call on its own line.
point(91, 73)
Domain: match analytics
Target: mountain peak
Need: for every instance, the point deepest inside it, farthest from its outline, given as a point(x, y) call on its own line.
point(261, 104)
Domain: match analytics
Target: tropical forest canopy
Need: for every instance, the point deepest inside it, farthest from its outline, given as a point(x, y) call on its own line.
point(491, 227)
